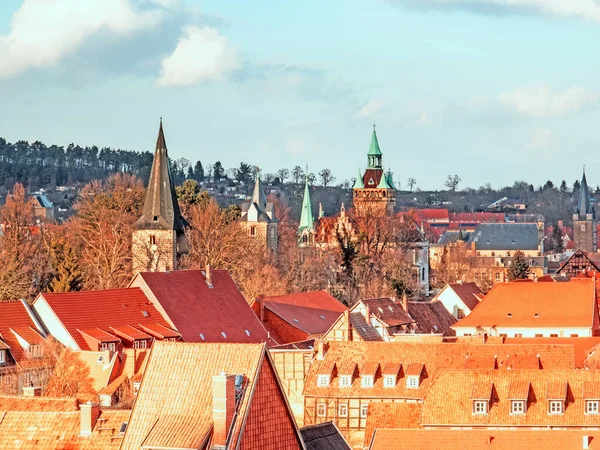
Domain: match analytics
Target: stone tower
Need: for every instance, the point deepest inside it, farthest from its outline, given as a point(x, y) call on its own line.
point(258, 218)
point(374, 191)
point(584, 221)
point(158, 236)
point(306, 229)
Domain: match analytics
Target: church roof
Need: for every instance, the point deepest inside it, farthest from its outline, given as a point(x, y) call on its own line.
point(161, 210)
point(257, 209)
point(374, 148)
point(390, 180)
point(358, 183)
point(307, 219)
point(383, 182)
point(584, 205)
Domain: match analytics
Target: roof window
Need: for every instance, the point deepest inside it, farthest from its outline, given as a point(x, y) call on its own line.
point(509, 315)
point(201, 336)
point(223, 334)
point(322, 317)
point(145, 313)
point(296, 320)
point(247, 333)
point(123, 428)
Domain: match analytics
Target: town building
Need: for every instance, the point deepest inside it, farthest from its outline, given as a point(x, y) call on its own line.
point(109, 320)
point(584, 221)
point(579, 262)
point(158, 237)
point(202, 306)
point(374, 192)
point(43, 208)
point(258, 218)
point(209, 396)
point(324, 436)
point(527, 309)
point(460, 298)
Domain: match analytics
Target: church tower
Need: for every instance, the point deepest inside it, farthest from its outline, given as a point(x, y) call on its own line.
point(374, 191)
point(306, 229)
point(158, 236)
point(258, 218)
point(584, 221)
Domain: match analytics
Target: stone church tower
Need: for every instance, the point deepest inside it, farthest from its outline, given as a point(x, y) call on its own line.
point(306, 228)
point(158, 236)
point(374, 190)
point(584, 221)
point(258, 218)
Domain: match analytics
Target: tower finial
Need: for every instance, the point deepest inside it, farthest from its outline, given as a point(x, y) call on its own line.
point(373, 125)
point(584, 169)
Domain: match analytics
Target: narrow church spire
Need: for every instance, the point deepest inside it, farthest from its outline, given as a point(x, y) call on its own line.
point(307, 219)
point(584, 205)
point(358, 183)
point(161, 210)
point(258, 195)
point(374, 155)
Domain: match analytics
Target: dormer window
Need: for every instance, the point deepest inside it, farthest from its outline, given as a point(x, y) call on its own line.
point(412, 382)
point(517, 407)
point(345, 381)
point(413, 375)
point(366, 381)
point(556, 407)
point(480, 407)
point(2, 356)
point(323, 380)
point(591, 406)
point(142, 343)
point(389, 381)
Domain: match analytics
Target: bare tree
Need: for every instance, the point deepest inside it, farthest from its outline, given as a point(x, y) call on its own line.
point(283, 174)
point(326, 177)
point(452, 182)
point(297, 174)
point(411, 183)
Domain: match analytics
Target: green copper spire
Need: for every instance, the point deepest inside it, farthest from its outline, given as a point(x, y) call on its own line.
point(307, 219)
point(383, 182)
point(358, 183)
point(374, 155)
point(390, 179)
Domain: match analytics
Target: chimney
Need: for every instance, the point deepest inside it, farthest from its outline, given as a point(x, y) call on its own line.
point(223, 408)
point(31, 391)
point(348, 325)
point(261, 304)
point(321, 350)
point(208, 275)
point(89, 413)
point(405, 302)
point(586, 442)
point(367, 313)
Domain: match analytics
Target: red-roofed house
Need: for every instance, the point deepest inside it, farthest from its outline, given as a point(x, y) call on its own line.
point(111, 320)
point(460, 298)
point(535, 310)
point(202, 307)
point(297, 317)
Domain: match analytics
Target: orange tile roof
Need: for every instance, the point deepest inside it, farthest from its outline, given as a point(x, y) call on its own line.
point(99, 310)
point(99, 335)
point(448, 401)
point(391, 368)
point(347, 368)
point(129, 333)
point(369, 368)
point(535, 305)
point(174, 405)
point(159, 331)
point(391, 415)
point(388, 311)
point(37, 404)
point(14, 316)
point(519, 390)
point(591, 391)
point(434, 439)
point(481, 390)
point(582, 346)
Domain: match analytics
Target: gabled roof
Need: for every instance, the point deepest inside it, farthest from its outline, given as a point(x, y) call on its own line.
point(505, 236)
point(536, 305)
point(16, 320)
point(203, 313)
point(95, 312)
point(582, 257)
point(371, 178)
point(364, 329)
point(324, 436)
point(431, 317)
point(312, 312)
point(388, 311)
point(391, 415)
point(427, 214)
point(173, 408)
point(161, 209)
point(469, 293)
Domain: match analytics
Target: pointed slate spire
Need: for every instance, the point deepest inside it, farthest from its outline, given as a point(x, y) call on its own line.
point(161, 210)
point(584, 205)
point(374, 156)
point(307, 219)
point(258, 195)
point(358, 183)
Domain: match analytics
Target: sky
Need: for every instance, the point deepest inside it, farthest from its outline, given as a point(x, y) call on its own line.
point(491, 90)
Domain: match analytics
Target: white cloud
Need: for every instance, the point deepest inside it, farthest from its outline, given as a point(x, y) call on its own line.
point(369, 109)
point(295, 146)
point(542, 102)
point(582, 9)
point(202, 54)
point(43, 32)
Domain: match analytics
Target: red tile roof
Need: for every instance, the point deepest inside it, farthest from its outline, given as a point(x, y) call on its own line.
point(129, 333)
point(388, 311)
point(391, 415)
point(94, 312)
point(431, 214)
point(311, 312)
point(434, 439)
point(536, 305)
point(201, 313)
point(468, 292)
point(582, 346)
point(15, 319)
point(371, 178)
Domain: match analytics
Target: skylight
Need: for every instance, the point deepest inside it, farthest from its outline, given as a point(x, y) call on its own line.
point(223, 334)
point(145, 313)
point(247, 333)
point(296, 320)
point(201, 336)
point(322, 317)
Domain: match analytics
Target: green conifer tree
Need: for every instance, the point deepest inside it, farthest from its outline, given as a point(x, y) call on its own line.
point(519, 268)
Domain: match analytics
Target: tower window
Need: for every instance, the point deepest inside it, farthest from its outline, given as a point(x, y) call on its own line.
point(253, 230)
point(156, 218)
point(152, 239)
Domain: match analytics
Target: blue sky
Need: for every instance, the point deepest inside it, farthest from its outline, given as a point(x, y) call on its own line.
point(491, 90)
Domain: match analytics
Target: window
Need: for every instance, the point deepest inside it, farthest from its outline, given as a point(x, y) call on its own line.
point(345, 381)
point(342, 410)
point(477, 277)
point(123, 428)
point(34, 351)
point(556, 407)
point(591, 406)
point(583, 227)
point(139, 344)
point(480, 407)
point(367, 381)
point(460, 313)
point(323, 380)
point(518, 335)
point(107, 346)
point(389, 381)
point(497, 276)
point(2, 356)
point(364, 409)
point(553, 335)
point(517, 407)
point(493, 253)
point(253, 230)
point(574, 335)
point(539, 335)
point(423, 274)
point(412, 382)
point(321, 410)
point(152, 239)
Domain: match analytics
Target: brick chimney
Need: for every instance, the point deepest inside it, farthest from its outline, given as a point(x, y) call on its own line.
point(261, 304)
point(32, 391)
point(320, 350)
point(223, 408)
point(208, 275)
point(89, 413)
point(367, 313)
point(348, 325)
point(405, 302)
